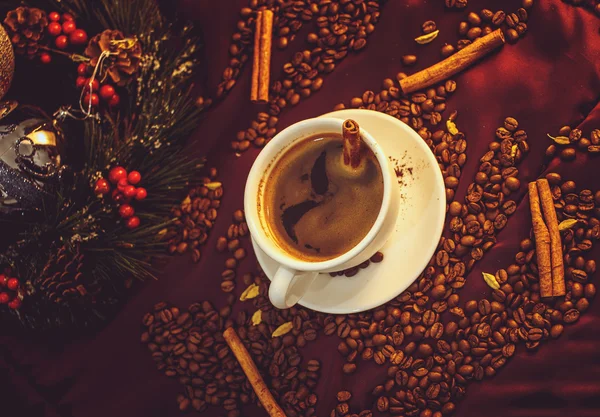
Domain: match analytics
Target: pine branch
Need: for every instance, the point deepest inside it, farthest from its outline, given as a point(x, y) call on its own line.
point(148, 136)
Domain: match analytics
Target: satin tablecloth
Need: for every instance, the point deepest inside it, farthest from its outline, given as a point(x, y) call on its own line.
point(549, 79)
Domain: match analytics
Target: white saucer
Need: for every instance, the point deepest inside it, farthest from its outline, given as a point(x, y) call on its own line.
point(418, 229)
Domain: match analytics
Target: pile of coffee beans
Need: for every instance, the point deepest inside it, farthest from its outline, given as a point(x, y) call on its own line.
point(483, 23)
point(569, 141)
point(340, 28)
point(430, 343)
point(420, 110)
point(232, 244)
point(475, 223)
point(188, 345)
point(194, 217)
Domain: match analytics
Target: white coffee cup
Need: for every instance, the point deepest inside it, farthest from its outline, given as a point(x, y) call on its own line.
point(294, 275)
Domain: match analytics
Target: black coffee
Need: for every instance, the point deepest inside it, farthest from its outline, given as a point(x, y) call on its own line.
point(313, 208)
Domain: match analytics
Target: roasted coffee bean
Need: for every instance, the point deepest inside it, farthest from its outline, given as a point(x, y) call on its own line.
point(556, 331)
point(447, 50)
point(512, 20)
point(379, 340)
point(383, 404)
point(342, 409)
point(344, 396)
point(498, 18)
point(409, 60)
point(571, 316)
point(568, 154)
point(378, 257)
point(349, 368)
point(313, 365)
point(474, 19)
point(428, 27)
point(568, 187)
point(474, 33)
point(343, 330)
point(330, 329)
point(512, 35)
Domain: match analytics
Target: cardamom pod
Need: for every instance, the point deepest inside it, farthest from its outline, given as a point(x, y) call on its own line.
point(425, 39)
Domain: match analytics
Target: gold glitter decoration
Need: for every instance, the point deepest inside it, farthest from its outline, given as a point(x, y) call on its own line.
point(7, 62)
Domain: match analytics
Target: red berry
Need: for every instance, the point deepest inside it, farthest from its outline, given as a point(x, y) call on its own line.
point(14, 304)
point(54, 29)
point(95, 84)
point(4, 298)
point(141, 194)
point(130, 191)
point(67, 16)
point(80, 82)
point(3, 280)
point(134, 177)
point(122, 184)
point(61, 42)
point(95, 100)
point(102, 187)
point(126, 211)
point(116, 174)
point(114, 101)
point(54, 16)
point(13, 284)
point(107, 91)
point(69, 27)
point(78, 37)
point(45, 58)
point(133, 222)
point(82, 69)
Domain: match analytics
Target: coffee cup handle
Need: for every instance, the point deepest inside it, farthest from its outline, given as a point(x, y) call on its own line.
point(288, 286)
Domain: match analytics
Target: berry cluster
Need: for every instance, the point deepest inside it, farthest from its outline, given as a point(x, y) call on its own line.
point(124, 193)
point(64, 30)
point(10, 291)
point(93, 90)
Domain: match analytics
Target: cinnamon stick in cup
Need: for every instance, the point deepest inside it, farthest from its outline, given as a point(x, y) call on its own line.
point(354, 161)
point(558, 269)
point(542, 242)
point(263, 39)
point(249, 367)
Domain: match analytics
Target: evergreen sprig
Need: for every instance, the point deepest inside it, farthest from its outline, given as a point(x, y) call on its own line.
point(149, 135)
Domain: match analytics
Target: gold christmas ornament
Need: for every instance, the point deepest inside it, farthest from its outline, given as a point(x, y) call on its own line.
point(7, 62)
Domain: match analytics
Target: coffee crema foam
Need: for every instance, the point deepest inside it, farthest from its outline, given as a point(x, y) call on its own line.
point(314, 210)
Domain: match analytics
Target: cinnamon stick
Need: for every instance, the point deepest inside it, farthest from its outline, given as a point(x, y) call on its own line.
point(249, 368)
point(256, 57)
point(266, 37)
point(261, 59)
point(352, 150)
point(558, 269)
point(454, 63)
point(542, 242)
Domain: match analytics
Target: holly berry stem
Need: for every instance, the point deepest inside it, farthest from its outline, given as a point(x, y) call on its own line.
point(72, 57)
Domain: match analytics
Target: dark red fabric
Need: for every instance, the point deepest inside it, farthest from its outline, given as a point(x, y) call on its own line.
point(549, 79)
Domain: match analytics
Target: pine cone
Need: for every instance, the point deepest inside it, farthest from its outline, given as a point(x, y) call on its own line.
point(124, 62)
point(63, 278)
point(25, 26)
